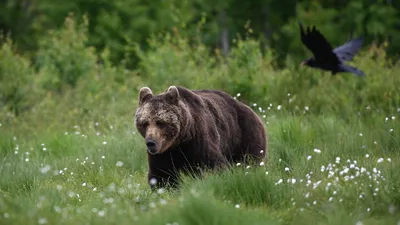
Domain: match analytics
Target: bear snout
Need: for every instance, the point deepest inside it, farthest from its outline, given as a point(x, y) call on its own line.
point(151, 147)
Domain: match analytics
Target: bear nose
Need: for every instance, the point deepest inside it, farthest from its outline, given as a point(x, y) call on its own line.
point(151, 147)
point(150, 144)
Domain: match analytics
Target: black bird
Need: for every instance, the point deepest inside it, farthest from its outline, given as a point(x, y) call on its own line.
point(325, 57)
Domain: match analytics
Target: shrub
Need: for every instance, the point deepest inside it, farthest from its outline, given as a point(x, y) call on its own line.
point(91, 86)
point(16, 79)
point(172, 60)
point(63, 56)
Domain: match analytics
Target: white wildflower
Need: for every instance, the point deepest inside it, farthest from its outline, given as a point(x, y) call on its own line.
point(101, 213)
point(153, 181)
point(42, 221)
point(45, 169)
point(160, 191)
point(279, 182)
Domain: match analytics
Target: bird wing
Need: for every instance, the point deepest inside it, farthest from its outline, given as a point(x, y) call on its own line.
point(347, 51)
point(317, 44)
point(351, 69)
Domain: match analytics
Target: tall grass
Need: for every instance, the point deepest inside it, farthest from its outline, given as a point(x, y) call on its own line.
point(70, 153)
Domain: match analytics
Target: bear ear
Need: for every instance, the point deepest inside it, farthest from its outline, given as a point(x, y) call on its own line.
point(145, 94)
point(173, 92)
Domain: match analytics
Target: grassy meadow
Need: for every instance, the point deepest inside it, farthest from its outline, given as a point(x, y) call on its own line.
point(70, 153)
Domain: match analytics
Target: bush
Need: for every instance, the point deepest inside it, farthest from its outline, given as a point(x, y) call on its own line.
point(16, 80)
point(67, 77)
point(88, 81)
point(172, 60)
point(63, 56)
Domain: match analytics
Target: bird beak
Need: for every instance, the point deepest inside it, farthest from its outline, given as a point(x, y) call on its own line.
point(303, 63)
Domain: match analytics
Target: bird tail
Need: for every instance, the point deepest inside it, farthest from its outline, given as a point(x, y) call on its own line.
point(351, 69)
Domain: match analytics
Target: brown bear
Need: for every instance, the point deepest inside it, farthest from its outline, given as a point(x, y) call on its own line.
point(190, 130)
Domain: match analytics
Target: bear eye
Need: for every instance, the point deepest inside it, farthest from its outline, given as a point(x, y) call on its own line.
point(160, 124)
point(144, 124)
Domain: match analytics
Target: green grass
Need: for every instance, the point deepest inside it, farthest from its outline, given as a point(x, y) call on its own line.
point(97, 175)
point(70, 153)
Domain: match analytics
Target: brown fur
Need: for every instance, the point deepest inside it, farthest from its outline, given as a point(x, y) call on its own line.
point(197, 129)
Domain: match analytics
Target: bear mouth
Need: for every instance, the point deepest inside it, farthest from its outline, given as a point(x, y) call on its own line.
point(152, 151)
point(152, 147)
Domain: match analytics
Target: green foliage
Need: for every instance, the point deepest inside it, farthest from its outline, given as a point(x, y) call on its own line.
point(203, 208)
point(64, 63)
point(64, 57)
point(16, 79)
point(75, 156)
point(171, 59)
point(67, 77)
point(339, 23)
point(245, 70)
point(114, 24)
point(256, 78)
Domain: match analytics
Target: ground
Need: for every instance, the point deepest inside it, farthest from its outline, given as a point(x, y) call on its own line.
point(321, 169)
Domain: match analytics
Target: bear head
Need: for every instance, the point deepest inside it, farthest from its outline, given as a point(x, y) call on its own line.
point(161, 119)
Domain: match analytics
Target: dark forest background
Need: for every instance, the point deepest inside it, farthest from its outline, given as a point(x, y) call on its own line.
point(87, 57)
point(119, 23)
